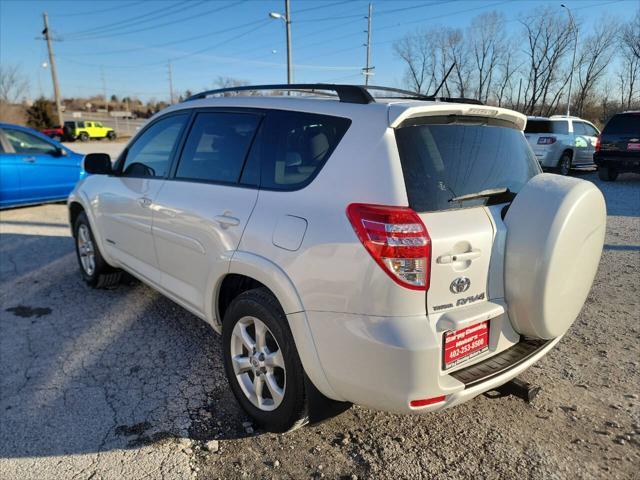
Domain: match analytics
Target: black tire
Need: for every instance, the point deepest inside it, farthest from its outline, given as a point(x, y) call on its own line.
point(103, 275)
point(83, 137)
point(292, 411)
point(111, 135)
point(607, 174)
point(564, 164)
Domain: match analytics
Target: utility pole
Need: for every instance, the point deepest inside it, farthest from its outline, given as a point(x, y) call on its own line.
point(287, 13)
point(170, 85)
point(368, 69)
point(54, 73)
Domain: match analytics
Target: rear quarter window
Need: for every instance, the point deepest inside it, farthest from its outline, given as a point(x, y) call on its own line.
point(547, 126)
point(291, 149)
point(442, 161)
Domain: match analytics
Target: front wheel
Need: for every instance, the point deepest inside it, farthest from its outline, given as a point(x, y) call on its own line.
point(111, 135)
point(607, 174)
point(95, 271)
point(262, 363)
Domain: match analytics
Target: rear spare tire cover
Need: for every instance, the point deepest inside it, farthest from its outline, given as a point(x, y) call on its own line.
point(555, 234)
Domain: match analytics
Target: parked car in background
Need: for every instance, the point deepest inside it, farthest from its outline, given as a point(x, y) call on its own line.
point(403, 254)
point(57, 133)
point(618, 147)
point(561, 143)
point(84, 131)
point(35, 168)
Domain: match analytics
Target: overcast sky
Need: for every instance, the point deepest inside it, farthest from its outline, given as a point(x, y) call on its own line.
point(131, 42)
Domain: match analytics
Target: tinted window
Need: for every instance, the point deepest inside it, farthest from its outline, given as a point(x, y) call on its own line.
point(440, 162)
point(623, 124)
point(150, 154)
point(296, 145)
point(547, 126)
point(579, 128)
point(25, 143)
point(217, 146)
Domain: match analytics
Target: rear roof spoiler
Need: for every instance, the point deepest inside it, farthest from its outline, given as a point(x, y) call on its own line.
point(400, 112)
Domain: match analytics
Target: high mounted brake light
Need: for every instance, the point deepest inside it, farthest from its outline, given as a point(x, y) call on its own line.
point(397, 240)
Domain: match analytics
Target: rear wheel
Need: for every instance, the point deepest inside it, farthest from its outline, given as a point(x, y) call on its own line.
point(262, 363)
point(607, 174)
point(564, 165)
point(83, 137)
point(95, 271)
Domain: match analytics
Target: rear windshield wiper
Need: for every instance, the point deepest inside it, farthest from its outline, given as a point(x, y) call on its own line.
point(491, 192)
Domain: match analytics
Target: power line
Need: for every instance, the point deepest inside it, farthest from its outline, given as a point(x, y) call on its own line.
point(143, 18)
point(166, 44)
point(100, 11)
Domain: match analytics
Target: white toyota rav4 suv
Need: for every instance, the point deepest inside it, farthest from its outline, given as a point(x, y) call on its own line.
point(405, 254)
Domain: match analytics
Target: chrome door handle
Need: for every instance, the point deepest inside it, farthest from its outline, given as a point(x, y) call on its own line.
point(459, 257)
point(29, 159)
point(144, 202)
point(226, 220)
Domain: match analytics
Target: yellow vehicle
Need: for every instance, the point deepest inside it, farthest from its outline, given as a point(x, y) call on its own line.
point(84, 131)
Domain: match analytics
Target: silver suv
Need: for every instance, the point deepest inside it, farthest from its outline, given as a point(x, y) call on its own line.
point(561, 143)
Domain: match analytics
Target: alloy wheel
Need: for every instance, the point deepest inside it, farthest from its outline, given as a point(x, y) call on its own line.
point(258, 363)
point(86, 250)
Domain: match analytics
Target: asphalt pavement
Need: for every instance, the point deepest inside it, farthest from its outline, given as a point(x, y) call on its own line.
point(123, 383)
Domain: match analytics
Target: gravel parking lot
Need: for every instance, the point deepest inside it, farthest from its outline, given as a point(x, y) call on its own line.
point(123, 383)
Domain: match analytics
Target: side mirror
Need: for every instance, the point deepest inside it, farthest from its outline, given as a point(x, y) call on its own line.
point(97, 164)
point(59, 152)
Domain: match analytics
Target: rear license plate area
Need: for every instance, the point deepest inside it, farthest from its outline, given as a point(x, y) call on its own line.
point(462, 345)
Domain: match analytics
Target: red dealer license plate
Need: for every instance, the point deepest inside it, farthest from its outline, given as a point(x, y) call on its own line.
point(465, 344)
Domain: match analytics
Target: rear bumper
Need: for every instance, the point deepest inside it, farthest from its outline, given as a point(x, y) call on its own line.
point(621, 164)
point(385, 362)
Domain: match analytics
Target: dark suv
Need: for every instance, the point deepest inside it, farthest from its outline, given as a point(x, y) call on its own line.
point(618, 146)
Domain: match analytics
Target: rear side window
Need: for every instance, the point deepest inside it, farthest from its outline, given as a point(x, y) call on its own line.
point(294, 147)
point(443, 161)
point(547, 126)
point(623, 124)
point(150, 154)
point(217, 146)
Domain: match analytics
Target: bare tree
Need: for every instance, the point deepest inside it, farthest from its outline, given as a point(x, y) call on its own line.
point(506, 73)
point(13, 84)
point(548, 38)
point(629, 75)
point(594, 58)
point(486, 40)
point(230, 82)
point(416, 50)
point(455, 52)
point(630, 35)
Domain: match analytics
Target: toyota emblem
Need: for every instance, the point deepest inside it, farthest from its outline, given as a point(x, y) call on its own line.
point(460, 285)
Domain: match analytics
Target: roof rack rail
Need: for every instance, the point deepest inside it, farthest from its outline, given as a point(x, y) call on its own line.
point(346, 93)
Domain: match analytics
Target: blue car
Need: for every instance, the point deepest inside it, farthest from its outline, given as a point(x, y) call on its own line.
point(34, 168)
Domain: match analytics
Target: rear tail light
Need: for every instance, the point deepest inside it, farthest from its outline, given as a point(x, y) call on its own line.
point(597, 143)
point(546, 140)
point(397, 240)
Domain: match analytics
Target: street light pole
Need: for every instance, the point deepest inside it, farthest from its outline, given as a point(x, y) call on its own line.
point(286, 18)
point(573, 61)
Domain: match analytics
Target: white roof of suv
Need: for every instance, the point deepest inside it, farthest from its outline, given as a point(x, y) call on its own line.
point(347, 104)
